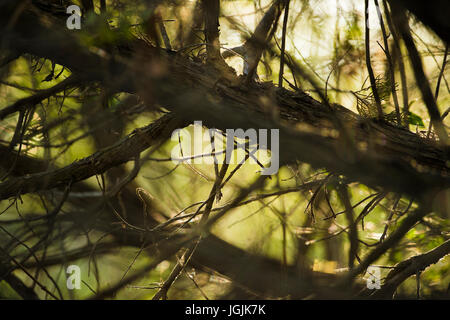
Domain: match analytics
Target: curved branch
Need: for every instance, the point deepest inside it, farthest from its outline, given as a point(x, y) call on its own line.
point(409, 267)
point(121, 152)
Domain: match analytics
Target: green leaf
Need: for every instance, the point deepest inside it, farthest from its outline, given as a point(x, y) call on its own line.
point(414, 119)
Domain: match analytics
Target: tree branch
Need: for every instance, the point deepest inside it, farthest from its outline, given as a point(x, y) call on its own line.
point(422, 81)
point(121, 152)
point(409, 267)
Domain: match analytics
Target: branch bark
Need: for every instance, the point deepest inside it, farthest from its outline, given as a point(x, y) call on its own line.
point(415, 166)
point(409, 267)
point(422, 81)
point(121, 152)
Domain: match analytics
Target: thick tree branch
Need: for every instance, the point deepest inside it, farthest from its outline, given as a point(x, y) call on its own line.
point(99, 162)
point(414, 165)
point(409, 267)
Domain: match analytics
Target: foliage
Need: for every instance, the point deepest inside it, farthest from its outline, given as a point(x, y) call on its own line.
point(87, 177)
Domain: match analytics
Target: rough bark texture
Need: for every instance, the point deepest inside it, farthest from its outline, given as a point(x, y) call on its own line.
point(369, 150)
point(376, 153)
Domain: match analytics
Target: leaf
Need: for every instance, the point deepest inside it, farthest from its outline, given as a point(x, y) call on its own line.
point(414, 119)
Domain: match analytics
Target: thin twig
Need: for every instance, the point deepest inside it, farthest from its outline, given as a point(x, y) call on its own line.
point(373, 83)
point(283, 42)
point(391, 65)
